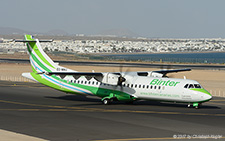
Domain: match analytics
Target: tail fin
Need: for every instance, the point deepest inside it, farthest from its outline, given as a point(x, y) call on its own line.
point(39, 60)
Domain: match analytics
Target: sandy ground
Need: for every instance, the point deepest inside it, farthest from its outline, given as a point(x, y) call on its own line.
point(212, 80)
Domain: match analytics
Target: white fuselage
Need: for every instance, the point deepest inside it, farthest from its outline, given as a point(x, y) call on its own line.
point(156, 88)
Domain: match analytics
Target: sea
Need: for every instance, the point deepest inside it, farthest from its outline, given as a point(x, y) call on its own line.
point(212, 57)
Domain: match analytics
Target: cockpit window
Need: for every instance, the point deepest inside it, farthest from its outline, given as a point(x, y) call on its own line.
point(186, 86)
point(197, 86)
point(191, 86)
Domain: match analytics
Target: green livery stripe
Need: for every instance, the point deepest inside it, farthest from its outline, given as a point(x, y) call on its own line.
point(37, 61)
point(201, 90)
point(33, 69)
point(50, 84)
point(28, 37)
point(36, 50)
point(101, 92)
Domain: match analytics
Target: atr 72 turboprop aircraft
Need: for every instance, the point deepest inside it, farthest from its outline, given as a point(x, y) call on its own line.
point(112, 86)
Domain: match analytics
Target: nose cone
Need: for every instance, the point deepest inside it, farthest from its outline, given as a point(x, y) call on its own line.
point(207, 97)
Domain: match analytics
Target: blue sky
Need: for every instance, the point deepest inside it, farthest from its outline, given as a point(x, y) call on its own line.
point(148, 18)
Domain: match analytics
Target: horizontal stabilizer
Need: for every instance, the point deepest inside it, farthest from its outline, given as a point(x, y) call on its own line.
point(25, 41)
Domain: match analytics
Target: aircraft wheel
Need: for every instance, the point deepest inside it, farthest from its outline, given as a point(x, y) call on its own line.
point(106, 101)
point(196, 105)
point(189, 105)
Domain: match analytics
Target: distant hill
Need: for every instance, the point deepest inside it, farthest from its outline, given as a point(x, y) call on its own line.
point(15, 31)
point(119, 33)
point(57, 32)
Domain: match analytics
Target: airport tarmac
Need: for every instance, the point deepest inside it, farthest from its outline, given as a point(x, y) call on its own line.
point(38, 111)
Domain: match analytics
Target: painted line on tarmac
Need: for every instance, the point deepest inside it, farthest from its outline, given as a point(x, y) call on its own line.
point(18, 85)
point(66, 108)
point(166, 138)
point(213, 103)
point(218, 100)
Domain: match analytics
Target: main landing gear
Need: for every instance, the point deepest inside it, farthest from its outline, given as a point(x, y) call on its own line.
point(106, 101)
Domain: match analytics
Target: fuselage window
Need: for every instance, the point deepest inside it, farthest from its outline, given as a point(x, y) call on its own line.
point(147, 86)
point(78, 81)
point(131, 85)
point(139, 86)
point(127, 85)
point(89, 82)
point(143, 86)
point(71, 81)
point(159, 87)
point(93, 82)
point(96, 83)
point(135, 85)
point(81, 82)
point(155, 87)
point(74, 81)
point(85, 82)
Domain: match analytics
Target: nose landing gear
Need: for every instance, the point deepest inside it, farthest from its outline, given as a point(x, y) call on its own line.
point(195, 105)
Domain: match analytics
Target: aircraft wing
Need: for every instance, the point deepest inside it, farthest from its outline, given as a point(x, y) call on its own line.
point(164, 72)
point(76, 75)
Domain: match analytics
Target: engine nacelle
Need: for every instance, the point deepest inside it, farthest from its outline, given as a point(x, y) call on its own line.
point(110, 78)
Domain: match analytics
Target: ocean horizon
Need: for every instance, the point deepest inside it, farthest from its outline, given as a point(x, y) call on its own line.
point(195, 57)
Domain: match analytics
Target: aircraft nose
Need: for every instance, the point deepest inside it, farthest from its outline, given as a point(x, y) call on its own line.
point(208, 97)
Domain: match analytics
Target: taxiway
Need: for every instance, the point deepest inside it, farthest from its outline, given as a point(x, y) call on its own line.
point(35, 110)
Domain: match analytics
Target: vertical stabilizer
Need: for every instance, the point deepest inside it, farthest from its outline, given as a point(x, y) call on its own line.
point(39, 60)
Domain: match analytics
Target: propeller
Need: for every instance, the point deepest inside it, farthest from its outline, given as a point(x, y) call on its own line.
point(121, 78)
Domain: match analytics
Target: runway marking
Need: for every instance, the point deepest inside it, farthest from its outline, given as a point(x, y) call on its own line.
point(217, 100)
point(18, 85)
point(66, 108)
point(217, 103)
point(137, 139)
point(166, 138)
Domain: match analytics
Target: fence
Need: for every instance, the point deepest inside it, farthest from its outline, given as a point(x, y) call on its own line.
point(15, 78)
point(218, 93)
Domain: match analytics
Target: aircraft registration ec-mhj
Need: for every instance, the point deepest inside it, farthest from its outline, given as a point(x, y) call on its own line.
point(113, 86)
